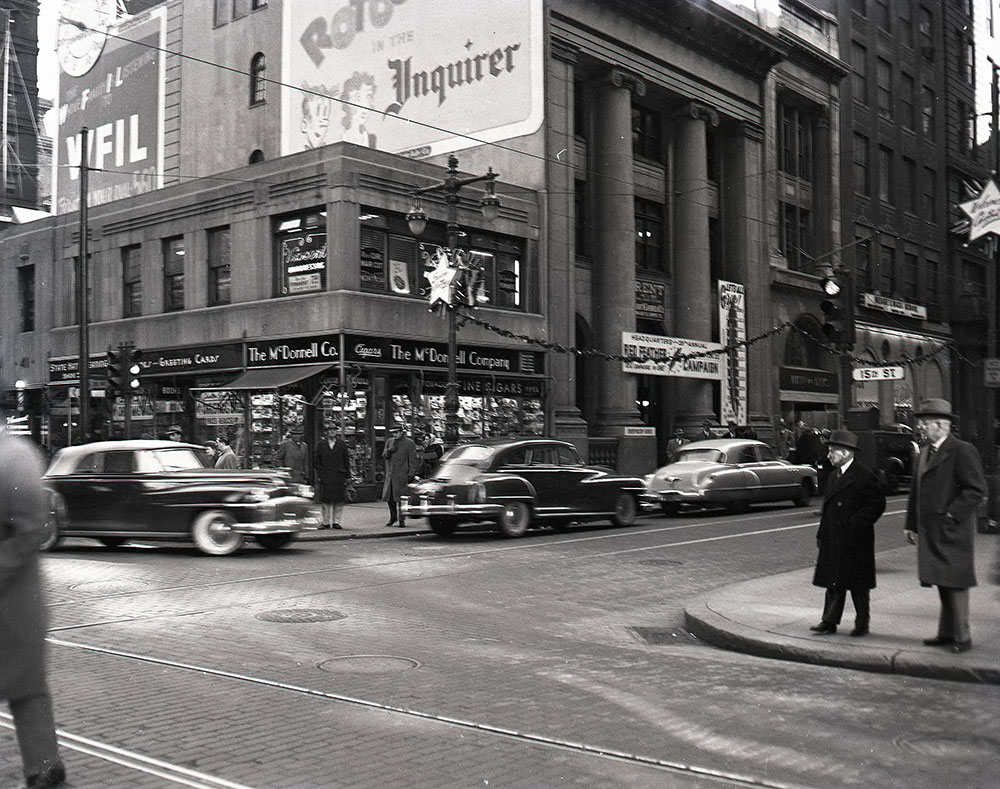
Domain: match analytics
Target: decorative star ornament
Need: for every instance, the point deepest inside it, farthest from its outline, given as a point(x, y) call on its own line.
point(984, 211)
point(442, 279)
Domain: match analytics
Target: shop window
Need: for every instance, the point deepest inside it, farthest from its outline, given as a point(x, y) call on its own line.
point(258, 69)
point(131, 281)
point(26, 291)
point(300, 252)
point(647, 134)
point(220, 269)
point(173, 273)
point(648, 235)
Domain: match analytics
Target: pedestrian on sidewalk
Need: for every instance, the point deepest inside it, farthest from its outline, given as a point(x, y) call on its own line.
point(23, 611)
point(674, 444)
point(854, 501)
point(941, 520)
point(401, 465)
point(333, 472)
point(293, 454)
point(227, 458)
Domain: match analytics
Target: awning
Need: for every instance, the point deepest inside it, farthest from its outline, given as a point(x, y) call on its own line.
point(274, 377)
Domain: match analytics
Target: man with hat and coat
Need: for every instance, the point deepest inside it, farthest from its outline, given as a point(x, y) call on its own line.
point(853, 502)
point(941, 520)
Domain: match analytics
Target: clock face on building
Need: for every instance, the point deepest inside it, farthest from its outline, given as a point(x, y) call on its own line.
point(83, 29)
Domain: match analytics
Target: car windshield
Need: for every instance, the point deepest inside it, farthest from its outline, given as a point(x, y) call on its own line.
point(181, 459)
point(700, 456)
point(464, 462)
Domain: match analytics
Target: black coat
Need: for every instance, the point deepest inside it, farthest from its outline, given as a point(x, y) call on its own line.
point(333, 471)
point(846, 535)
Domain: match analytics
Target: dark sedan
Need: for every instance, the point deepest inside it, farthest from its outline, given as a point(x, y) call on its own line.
point(516, 483)
point(116, 491)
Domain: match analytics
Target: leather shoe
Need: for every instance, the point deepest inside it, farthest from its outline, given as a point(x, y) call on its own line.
point(336, 526)
point(402, 524)
point(823, 628)
point(859, 631)
point(52, 776)
point(939, 641)
point(390, 523)
point(961, 646)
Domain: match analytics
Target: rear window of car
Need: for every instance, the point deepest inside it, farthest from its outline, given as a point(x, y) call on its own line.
point(700, 456)
point(470, 455)
point(180, 459)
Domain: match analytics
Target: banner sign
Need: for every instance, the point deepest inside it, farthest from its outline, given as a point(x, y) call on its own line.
point(116, 91)
point(66, 369)
point(984, 212)
point(413, 77)
point(316, 349)
point(894, 306)
point(662, 353)
point(208, 358)
point(733, 329)
point(418, 353)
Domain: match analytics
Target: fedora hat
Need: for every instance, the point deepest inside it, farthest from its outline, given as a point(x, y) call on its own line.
point(174, 429)
point(843, 438)
point(935, 406)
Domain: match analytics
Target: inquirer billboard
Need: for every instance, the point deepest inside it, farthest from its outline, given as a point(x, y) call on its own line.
point(413, 77)
point(118, 94)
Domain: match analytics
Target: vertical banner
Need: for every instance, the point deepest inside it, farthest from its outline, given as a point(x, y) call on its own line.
point(733, 329)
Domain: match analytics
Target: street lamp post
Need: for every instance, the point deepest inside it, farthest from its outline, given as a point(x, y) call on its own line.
point(456, 271)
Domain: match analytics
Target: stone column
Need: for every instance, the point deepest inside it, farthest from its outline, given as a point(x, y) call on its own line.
point(614, 262)
point(694, 305)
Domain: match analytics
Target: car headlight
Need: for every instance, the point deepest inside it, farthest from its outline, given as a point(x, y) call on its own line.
point(305, 491)
point(478, 493)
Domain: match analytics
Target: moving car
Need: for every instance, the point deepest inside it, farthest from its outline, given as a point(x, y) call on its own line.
point(115, 491)
point(729, 472)
point(515, 484)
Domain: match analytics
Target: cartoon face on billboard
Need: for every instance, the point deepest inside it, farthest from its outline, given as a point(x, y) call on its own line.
point(415, 77)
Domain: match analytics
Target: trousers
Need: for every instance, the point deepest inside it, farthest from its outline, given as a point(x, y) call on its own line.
point(36, 732)
point(833, 606)
point(954, 619)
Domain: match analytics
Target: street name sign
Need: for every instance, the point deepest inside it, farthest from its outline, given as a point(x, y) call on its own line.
point(886, 373)
point(991, 371)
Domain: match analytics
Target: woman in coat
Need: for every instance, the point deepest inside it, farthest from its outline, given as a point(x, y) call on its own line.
point(854, 501)
point(23, 613)
point(333, 472)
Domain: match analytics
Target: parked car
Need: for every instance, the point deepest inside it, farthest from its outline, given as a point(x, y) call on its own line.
point(515, 484)
point(892, 451)
point(116, 491)
point(733, 473)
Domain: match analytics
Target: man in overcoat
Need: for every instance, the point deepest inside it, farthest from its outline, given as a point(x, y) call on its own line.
point(333, 472)
point(293, 454)
point(23, 611)
point(854, 501)
point(401, 466)
point(941, 520)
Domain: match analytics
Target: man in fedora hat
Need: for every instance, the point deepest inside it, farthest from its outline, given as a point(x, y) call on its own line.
point(941, 519)
point(675, 443)
point(853, 502)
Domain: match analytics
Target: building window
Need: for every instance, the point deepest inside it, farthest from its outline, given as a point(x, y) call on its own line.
point(256, 156)
point(931, 290)
point(882, 15)
point(906, 101)
point(256, 5)
point(886, 190)
point(908, 187)
point(647, 135)
point(905, 22)
point(648, 234)
point(929, 193)
point(863, 261)
point(967, 119)
point(581, 219)
point(925, 32)
point(131, 281)
point(220, 269)
point(796, 142)
point(795, 240)
point(859, 72)
point(884, 87)
point(221, 12)
point(300, 252)
point(862, 168)
point(887, 270)
point(989, 18)
point(966, 58)
point(173, 273)
point(26, 291)
point(258, 67)
point(927, 100)
point(580, 110)
point(908, 280)
point(860, 7)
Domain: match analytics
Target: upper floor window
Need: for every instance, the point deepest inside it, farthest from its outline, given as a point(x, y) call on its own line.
point(859, 72)
point(908, 277)
point(220, 270)
point(860, 7)
point(908, 189)
point(580, 109)
point(173, 273)
point(929, 193)
point(882, 16)
point(931, 288)
point(795, 239)
point(886, 185)
point(647, 135)
point(884, 86)
point(648, 234)
point(301, 252)
point(925, 32)
point(967, 116)
point(26, 292)
point(907, 95)
point(256, 5)
point(862, 168)
point(887, 270)
point(863, 261)
point(581, 219)
point(796, 130)
point(905, 17)
point(927, 100)
point(131, 281)
point(258, 68)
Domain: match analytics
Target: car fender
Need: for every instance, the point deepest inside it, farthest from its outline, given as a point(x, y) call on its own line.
point(507, 486)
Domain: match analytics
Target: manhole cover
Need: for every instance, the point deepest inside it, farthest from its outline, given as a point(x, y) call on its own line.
point(299, 615)
point(964, 747)
point(661, 562)
point(659, 636)
point(367, 664)
point(110, 587)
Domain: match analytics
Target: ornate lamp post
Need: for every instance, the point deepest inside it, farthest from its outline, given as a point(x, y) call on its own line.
point(453, 271)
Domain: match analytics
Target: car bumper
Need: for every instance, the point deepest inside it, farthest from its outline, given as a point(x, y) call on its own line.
point(680, 497)
point(279, 516)
point(423, 508)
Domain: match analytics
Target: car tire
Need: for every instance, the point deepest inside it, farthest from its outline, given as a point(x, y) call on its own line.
point(112, 542)
point(212, 534)
point(626, 510)
point(442, 527)
point(273, 542)
point(804, 494)
point(52, 531)
point(514, 519)
point(670, 509)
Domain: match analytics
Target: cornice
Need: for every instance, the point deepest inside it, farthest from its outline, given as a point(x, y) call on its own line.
point(814, 59)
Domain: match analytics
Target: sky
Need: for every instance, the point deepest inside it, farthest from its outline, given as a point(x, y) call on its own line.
point(48, 68)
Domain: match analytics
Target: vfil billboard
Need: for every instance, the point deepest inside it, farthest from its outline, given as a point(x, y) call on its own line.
point(413, 77)
point(118, 95)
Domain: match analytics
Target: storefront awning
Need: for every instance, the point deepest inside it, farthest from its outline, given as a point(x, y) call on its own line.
point(274, 377)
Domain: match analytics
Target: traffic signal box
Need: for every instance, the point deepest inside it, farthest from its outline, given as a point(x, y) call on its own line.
point(134, 370)
point(116, 373)
point(835, 329)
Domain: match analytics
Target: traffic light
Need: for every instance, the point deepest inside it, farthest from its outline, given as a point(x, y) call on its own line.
point(115, 373)
point(834, 329)
point(134, 370)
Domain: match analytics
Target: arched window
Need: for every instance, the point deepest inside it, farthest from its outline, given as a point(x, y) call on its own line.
point(257, 156)
point(258, 67)
point(801, 352)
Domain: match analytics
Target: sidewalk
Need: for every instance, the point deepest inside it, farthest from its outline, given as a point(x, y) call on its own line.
point(366, 520)
point(771, 617)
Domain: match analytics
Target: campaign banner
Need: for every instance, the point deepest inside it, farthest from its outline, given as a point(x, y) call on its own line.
point(661, 356)
point(732, 330)
point(118, 95)
point(412, 77)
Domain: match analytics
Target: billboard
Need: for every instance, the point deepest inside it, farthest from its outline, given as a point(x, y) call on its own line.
point(117, 92)
point(733, 330)
point(412, 77)
point(661, 356)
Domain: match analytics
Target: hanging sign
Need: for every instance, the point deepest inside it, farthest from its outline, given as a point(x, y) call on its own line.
point(733, 330)
point(984, 212)
point(883, 373)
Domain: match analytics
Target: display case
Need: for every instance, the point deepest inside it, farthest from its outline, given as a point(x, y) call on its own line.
point(350, 413)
